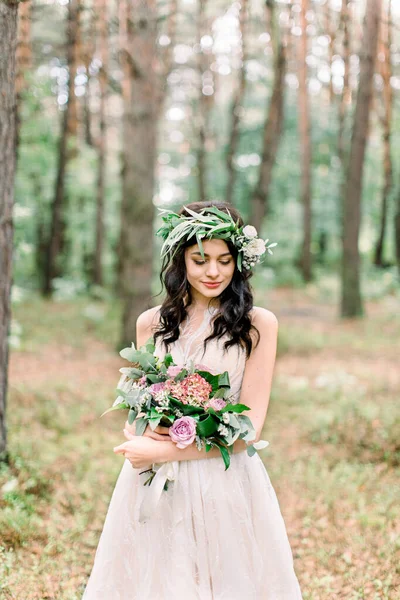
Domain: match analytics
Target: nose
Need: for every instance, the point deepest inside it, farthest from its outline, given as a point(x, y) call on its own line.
point(212, 269)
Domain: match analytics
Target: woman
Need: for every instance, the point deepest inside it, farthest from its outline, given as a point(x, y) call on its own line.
point(215, 534)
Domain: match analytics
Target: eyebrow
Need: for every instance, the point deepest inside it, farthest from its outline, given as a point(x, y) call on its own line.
point(205, 254)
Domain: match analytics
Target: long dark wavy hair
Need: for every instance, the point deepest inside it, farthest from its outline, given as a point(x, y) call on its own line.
point(236, 301)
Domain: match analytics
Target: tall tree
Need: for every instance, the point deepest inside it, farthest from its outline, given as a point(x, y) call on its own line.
point(102, 40)
point(385, 69)
point(345, 98)
point(24, 52)
point(237, 102)
point(273, 124)
point(8, 42)
point(140, 98)
point(305, 144)
point(204, 101)
point(351, 301)
point(56, 238)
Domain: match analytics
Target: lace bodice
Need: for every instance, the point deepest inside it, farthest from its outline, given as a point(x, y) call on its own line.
point(189, 347)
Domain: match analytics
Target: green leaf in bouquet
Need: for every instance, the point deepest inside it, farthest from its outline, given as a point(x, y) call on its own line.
point(188, 410)
point(121, 393)
point(133, 397)
point(145, 359)
point(251, 451)
point(116, 407)
point(221, 393)
point(223, 380)
point(132, 415)
point(181, 375)
point(248, 432)
point(208, 447)
point(153, 378)
point(225, 456)
point(154, 422)
point(234, 421)
point(149, 345)
point(168, 360)
point(236, 408)
point(166, 420)
point(207, 426)
point(135, 373)
point(212, 380)
point(141, 425)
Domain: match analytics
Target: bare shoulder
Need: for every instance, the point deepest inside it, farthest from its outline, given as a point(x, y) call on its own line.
point(264, 320)
point(148, 320)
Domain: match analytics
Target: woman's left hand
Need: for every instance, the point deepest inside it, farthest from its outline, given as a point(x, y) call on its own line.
point(141, 451)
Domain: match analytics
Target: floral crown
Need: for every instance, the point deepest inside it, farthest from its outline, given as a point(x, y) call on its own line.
point(215, 224)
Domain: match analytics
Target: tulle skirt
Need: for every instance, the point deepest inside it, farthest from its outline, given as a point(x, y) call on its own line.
point(215, 535)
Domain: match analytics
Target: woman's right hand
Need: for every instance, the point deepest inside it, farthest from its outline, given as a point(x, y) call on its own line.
point(160, 433)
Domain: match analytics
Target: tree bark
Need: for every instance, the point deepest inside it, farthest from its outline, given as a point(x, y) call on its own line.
point(56, 239)
point(385, 68)
point(102, 38)
point(204, 104)
point(139, 155)
point(345, 99)
point(24, 54)
point(273, 125)
point(305, 144)
point(8, 42)
point(351, 301)
point(236, 105)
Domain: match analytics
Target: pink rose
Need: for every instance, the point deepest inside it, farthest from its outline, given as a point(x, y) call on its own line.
point(183, 431)
point(156, 387)
point(216, 403)
point(173, 371)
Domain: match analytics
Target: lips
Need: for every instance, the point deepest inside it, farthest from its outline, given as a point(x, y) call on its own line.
point(211, 284)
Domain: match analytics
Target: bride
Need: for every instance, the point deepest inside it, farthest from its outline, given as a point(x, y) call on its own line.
point(215, 534)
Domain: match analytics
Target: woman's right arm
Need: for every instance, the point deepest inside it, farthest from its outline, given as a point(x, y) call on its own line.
point(144, 330)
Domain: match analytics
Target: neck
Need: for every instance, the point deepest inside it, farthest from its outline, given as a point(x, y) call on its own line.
point(202, 303)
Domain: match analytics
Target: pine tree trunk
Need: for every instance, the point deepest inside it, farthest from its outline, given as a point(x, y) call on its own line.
point(24, 54)
point(203, 106)
point(56, 240)
point(102, 37)
point(273, 126)
point(236, 105)
point(8, 42)
point(305, 144)
point(345, 99)
point(351, 302)
point(139, 156)
point(385, 67)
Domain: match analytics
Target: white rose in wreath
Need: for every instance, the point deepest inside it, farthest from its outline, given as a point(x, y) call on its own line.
point(249, 231)
point(256, 247)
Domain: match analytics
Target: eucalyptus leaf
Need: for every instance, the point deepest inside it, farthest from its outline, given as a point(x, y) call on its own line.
point(140, 426)
point(116, 407)
point(132, 415)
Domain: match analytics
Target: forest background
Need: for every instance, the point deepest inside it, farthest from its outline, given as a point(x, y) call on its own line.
point(287, 109)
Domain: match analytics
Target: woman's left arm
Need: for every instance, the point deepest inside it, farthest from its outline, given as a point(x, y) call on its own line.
point(255, 393)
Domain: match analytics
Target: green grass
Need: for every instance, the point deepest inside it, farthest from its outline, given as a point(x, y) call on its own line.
point(333, 426)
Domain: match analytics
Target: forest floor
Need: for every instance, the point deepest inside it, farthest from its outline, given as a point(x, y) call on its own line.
point(333, 425)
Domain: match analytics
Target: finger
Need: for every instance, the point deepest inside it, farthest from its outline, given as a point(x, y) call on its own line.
point(120, 449)
point(156, 436)
point(128, 435)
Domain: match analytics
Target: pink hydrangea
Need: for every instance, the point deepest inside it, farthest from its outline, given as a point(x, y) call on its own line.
point(193, 389)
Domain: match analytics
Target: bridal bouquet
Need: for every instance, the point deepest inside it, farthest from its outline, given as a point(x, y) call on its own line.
point(192, 402)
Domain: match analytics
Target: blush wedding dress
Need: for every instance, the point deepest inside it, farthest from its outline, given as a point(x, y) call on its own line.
point(214, 535)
